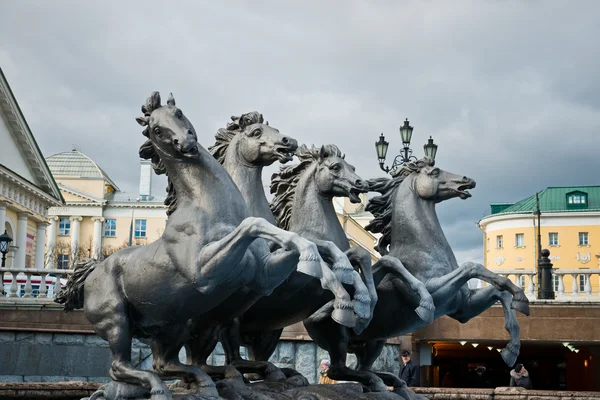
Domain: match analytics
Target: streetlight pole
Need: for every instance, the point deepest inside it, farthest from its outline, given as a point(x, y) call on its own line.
point(405, 155)
point(5, 240)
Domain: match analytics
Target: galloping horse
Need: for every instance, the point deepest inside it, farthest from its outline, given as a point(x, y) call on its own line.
point(405, 214)
point(244, 153)
point(208, 252)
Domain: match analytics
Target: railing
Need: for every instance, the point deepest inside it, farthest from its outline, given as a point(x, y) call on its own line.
point(32, 283)
point(526, 279)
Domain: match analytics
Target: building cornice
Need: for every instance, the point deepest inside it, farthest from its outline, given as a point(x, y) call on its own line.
point(556, 214)
point(25, 139)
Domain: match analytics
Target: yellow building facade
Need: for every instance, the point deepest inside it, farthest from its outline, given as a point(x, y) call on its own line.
point(569, 228)
point(99, 219)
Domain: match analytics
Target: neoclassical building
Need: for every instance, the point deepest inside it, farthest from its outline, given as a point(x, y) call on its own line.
point(98, 218)
point(27, 188)
point(570, 229)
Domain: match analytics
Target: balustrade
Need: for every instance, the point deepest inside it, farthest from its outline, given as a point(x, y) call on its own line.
point(581, 288)
point(31, 283)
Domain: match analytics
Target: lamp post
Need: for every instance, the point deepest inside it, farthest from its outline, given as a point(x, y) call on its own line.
point(5, 240)
point(405, 153)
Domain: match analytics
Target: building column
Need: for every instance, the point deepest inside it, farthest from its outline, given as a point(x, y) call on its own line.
point(51, 240)
point(2, 218)
point(75, 227)
point(40, 245)
point(97, 238)
point(19, 261)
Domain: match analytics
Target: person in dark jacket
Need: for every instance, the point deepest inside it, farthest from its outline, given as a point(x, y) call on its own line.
point(409, 372)
point(520, 377)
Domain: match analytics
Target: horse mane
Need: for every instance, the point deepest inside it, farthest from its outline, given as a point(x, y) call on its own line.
point(224, 136)
point(381, 206)
point(284, 182)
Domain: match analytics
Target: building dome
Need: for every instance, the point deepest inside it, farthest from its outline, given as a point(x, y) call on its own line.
point(77, 165)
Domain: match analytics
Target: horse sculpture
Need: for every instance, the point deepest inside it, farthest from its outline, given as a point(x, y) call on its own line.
point(211, 249)
point(303, 204)
point(244, 153)
point(405, 215)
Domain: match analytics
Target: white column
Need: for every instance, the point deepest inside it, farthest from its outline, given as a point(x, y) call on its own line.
point(2, 218)
point(51, 239)
point(40, 245)
point(19, 261)
point(74, 239)
point(97, 238)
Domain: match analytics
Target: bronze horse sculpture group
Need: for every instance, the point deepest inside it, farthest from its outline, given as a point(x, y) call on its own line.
point(231, 266)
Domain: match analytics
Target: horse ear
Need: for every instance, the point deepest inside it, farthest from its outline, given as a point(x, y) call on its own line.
point(143, 121)
point(244, 121)
point(171, 100)
point(323, 154)
point(153, 102)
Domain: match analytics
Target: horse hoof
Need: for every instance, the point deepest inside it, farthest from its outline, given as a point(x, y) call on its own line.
point(344, 316)
point(425, 314)
point(521, 306)
point(509, 357)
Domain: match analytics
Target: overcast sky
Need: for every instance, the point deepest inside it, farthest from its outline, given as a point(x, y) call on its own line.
point(509, 90)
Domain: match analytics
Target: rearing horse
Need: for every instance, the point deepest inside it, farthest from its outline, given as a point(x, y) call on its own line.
point(210, 250)
point(405, 215)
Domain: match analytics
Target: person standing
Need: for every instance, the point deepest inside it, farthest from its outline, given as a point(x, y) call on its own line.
point(520, 377)
point(323, 378)
point(409, 372)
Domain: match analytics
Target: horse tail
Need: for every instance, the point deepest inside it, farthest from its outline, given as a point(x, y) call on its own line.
point(72, 295)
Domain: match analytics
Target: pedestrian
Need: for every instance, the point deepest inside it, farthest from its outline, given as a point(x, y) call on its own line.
point(409, 372)
point(520, 377)
point(324, 379)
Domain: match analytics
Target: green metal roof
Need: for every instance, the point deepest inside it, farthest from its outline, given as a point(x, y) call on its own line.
point(552, 199)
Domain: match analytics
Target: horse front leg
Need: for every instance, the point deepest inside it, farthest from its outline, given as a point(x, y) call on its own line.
point(361, 260)
point(426, 308)
point(345, 273)
point(482, 299)
point(448, 285)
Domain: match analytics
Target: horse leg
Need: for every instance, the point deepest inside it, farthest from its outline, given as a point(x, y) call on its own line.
point(448, 285)
point(361, 260)
point(366, 354)
point(426, 308)
point(232, 248)
point(231, 340)
point(334, 338)
point(106, 309)
point(165, 353)
point(482, 299)
point(345, 273)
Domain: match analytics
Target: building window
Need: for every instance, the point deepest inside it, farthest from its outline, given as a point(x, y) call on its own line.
point(553, 239)
point(520, 240)
point(583, 239)
point(110, 228)
point(555, 282)
point(499, 242)
point(62, 261)
point(577, 200)
point(140, 228)
point(582, 281)
point(64, 227)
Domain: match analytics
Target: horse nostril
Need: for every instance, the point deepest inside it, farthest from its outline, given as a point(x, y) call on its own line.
point(176, 141)
point(189, 132)
point(285, 140)
point(359, 183)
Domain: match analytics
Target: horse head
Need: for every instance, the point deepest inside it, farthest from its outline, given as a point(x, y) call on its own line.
point(169, 132)
point(260, 144)
point(432, 183)
point(335, 177)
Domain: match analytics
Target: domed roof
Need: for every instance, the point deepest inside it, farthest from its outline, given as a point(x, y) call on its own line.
point(76, 164)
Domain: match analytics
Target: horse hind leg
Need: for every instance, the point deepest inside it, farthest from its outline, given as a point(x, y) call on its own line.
point(482, 299)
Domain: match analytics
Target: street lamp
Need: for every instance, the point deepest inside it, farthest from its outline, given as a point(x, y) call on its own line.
point(5, 240)
point(406, 153)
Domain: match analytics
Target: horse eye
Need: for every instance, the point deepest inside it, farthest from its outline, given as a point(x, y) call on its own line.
point(157, 131)
point(335, 167)
point(435, 171)
point(256, 133)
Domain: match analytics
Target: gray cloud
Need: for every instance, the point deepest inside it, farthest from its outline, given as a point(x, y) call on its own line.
point(509, 90)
